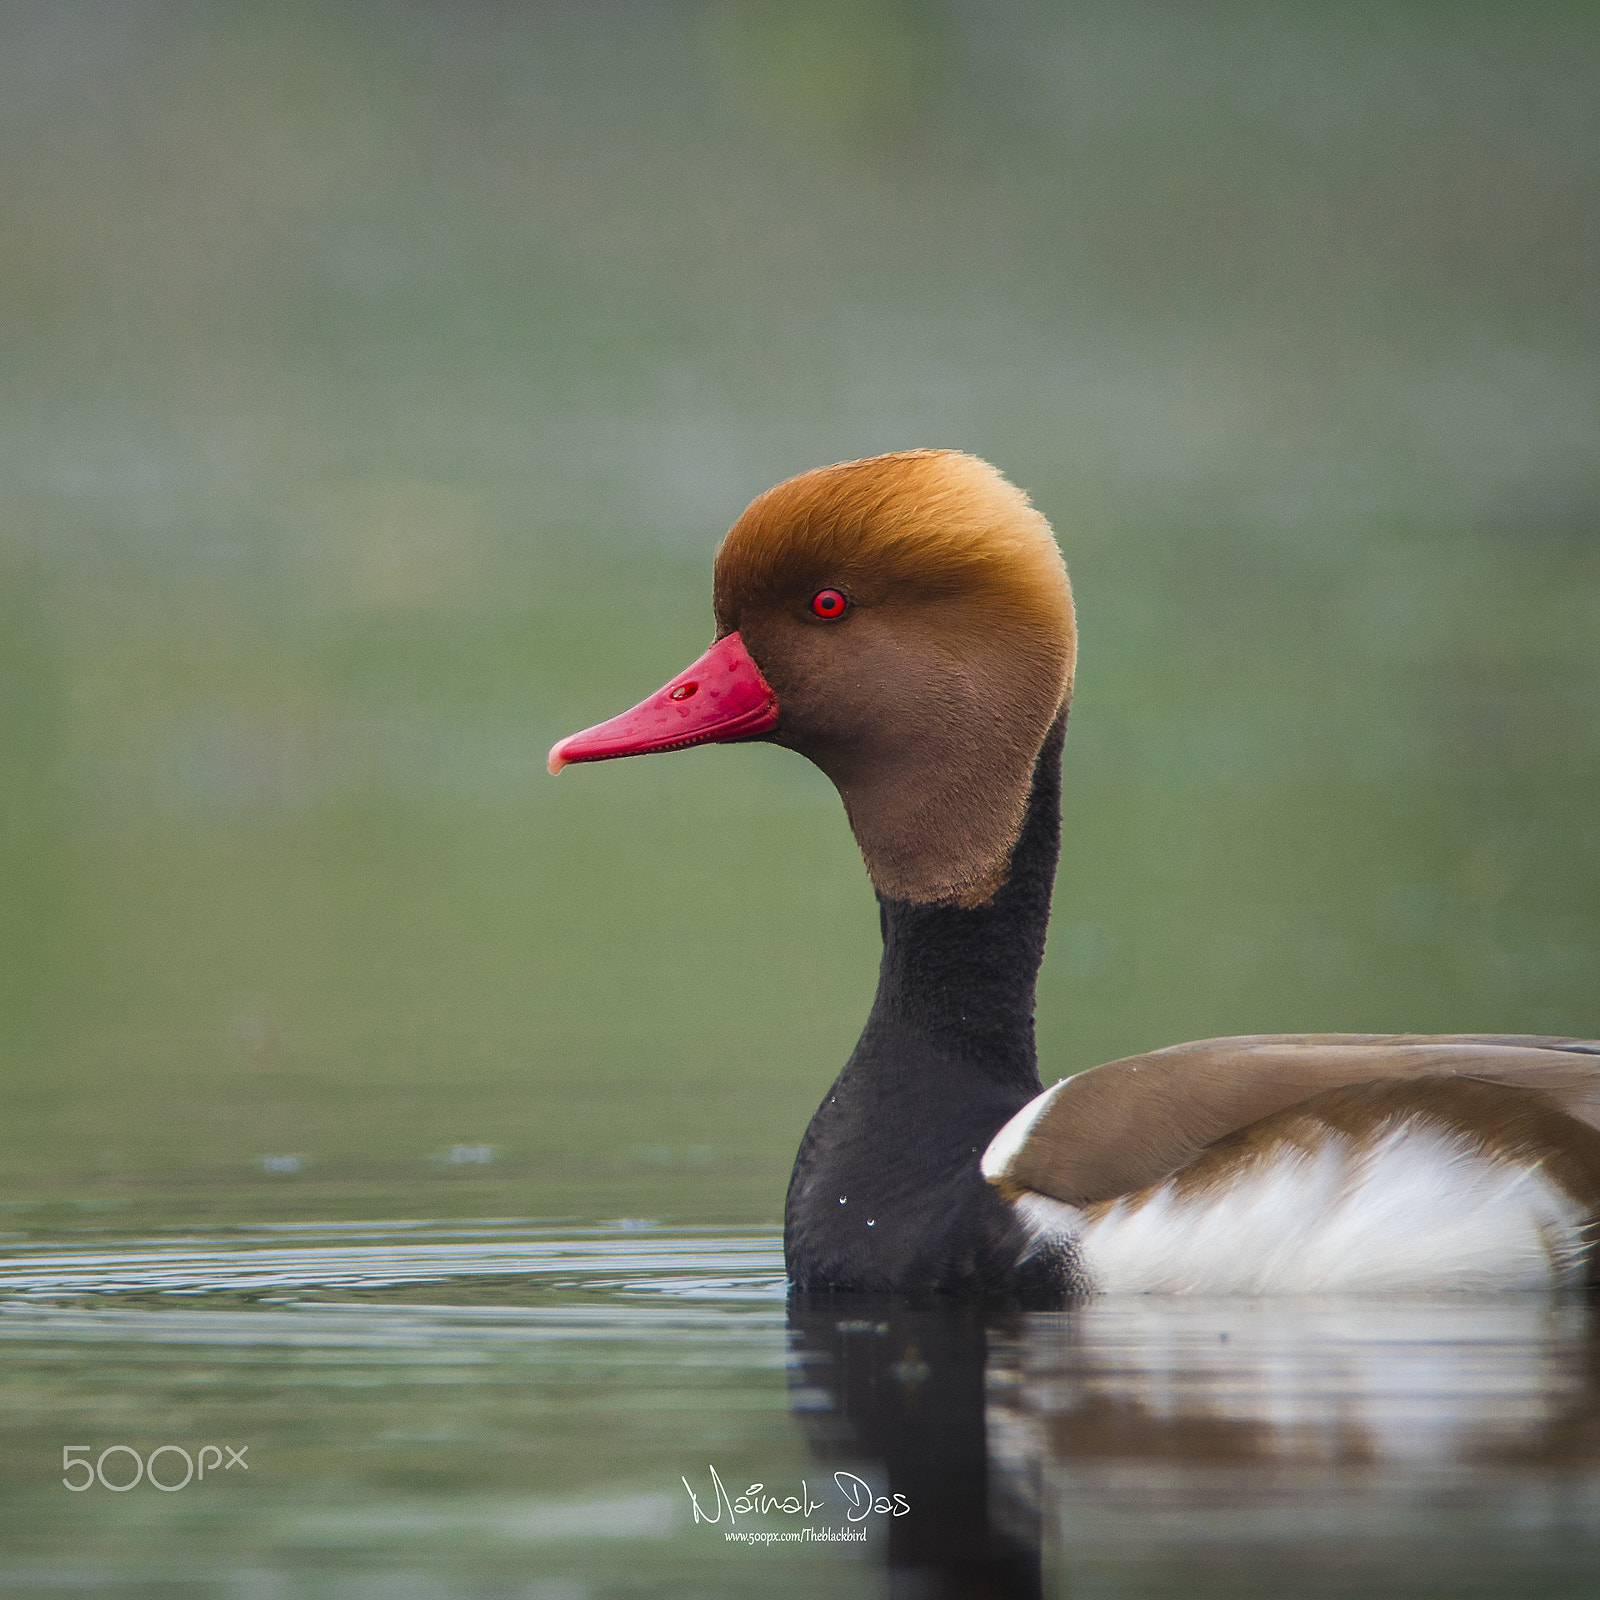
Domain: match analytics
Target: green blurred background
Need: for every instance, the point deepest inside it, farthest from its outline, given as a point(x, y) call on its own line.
point(378, 379)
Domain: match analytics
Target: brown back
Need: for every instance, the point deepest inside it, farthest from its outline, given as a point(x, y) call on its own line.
point(1130, 1123)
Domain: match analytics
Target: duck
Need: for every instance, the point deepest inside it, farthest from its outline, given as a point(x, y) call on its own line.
point(906, 623)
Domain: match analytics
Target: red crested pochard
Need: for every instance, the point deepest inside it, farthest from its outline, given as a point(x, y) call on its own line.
point(905, 622)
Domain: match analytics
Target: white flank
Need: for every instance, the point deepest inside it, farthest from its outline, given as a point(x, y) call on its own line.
point(1011, 1138)
point(1415, 1208)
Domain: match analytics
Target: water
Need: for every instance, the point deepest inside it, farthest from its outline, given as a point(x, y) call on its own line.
point(505, 1408)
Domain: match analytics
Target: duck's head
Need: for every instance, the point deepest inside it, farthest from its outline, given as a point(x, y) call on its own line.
point(904, 622)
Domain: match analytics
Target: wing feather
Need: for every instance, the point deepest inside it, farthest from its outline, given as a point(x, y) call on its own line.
point(1119, 1127)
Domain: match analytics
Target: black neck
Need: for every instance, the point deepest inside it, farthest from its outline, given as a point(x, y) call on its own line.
point(962, 981)
point(887, 1192)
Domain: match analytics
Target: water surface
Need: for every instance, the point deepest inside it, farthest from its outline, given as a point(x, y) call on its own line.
point(508, 1408)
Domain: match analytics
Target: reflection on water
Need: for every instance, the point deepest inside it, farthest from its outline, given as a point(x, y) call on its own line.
point(1448, 1446)
point(902, 1387)
point(513, 1409)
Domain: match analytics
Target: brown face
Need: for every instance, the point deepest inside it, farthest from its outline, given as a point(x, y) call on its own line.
point(926, 695)
point(904, 622)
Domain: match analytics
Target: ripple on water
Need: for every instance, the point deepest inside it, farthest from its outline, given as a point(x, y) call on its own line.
point(406, 1287)
point(740, 1264)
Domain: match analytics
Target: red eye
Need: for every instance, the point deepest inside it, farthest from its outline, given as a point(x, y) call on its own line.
point(829, 604)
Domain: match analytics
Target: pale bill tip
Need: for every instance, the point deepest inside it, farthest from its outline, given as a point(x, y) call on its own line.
point(557, 761)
